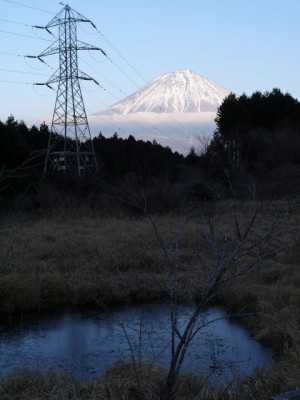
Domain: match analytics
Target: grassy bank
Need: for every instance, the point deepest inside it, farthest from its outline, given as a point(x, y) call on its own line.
point(83, 259)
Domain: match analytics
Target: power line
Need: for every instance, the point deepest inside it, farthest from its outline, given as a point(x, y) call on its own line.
point(136, 71)
point(120, 69)
point(173, 118)
point(14, 22)
point(133, 68)
point(123, 72)
point(123, 58)
point(102, 76)
point(102, 35)
point(179, 128)
point(20, 34)
point(22, 72)
point(27, 25)
point(57, 2)
point(11, 54)
point(25, 57)
point(143, 127)
point(108, 122)
point(17, 82)
point(25, 5)
point(34, 87)
point(105, 90)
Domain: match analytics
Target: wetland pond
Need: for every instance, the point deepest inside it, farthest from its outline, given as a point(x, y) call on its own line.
point(85, 344)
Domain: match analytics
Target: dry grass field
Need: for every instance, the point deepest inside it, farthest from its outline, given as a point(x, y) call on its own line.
point(83, 259)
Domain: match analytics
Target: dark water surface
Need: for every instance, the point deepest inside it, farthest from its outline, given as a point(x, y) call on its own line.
point(85, 343)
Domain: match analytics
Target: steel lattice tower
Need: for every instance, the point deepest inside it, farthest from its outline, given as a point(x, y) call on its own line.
point(70, 148)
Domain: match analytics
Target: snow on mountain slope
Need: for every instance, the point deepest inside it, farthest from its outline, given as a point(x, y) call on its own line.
point(174, 109)
point(173, 92)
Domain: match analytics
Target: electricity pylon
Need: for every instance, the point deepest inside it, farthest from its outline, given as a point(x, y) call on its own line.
point(70, 148)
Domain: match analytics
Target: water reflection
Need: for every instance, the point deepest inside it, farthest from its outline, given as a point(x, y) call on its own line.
point(85, 343)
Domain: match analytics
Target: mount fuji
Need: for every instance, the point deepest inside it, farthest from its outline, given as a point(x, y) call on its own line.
point(173, 92)
point(172, 109)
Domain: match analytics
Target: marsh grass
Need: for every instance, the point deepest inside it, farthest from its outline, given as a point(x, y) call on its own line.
point(80, 260)
point(86, 259)
point(119, 383)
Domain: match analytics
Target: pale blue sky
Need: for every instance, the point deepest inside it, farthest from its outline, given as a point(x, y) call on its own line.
point(243, 45)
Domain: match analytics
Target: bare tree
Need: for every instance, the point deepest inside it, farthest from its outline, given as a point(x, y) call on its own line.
point(232, 243)
point(204, 140)
point(233, 239)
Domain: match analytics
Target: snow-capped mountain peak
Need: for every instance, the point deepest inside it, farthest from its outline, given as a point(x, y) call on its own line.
point(173, 92)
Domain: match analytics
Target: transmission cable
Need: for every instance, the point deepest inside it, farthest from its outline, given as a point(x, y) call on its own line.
point(120, 55)
point(135, 122)
point(102, 35)
point(14, 22)
point(40, 94)
point(123, 58)
point(102, 76)
point(57, 2)
point(178, 123)
point(128, 77)
point(145, 121)
point(90, 114)
point(23, 72)
point(103, 88)
point(17, 82)
point(20, 34)
point(120, 90)
point(25, 57)
point(123, 72)
point(36, 68)
point(117, 51)
point(25, 5)
point(11, 54)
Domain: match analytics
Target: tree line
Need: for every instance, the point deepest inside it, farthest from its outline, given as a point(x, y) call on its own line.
point(257, 139)
point(116, 156)
point(134, 162)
